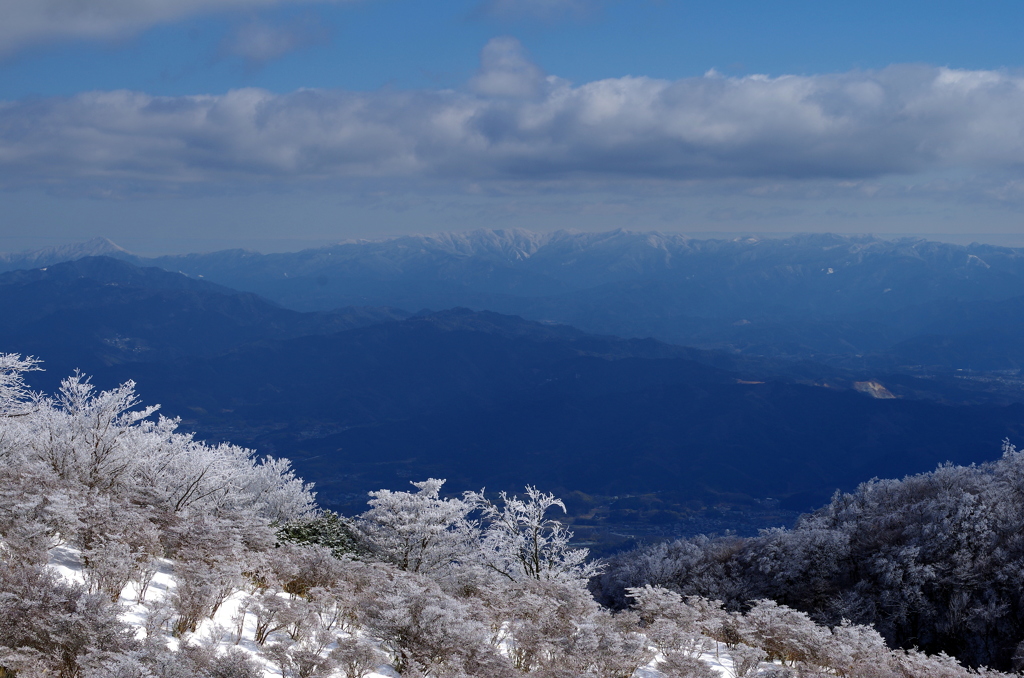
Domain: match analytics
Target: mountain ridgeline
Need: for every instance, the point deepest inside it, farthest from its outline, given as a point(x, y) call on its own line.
point(850, 301)
point(643, 437)
point(97, 311)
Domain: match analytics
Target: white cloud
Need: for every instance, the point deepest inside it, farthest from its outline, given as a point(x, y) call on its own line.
point(28, 22)
point(259, 41)
point(505, 71)
point(903, 120)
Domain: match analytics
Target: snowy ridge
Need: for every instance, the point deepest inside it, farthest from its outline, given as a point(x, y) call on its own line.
point(97, 247)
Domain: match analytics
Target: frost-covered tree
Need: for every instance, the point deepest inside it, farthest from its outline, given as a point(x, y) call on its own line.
point(420, 531)
point(84, 441)
point(15, 397)
point(521, 542)
point(96, 470)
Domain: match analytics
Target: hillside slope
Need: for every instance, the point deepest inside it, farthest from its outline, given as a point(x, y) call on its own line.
point(98, 311)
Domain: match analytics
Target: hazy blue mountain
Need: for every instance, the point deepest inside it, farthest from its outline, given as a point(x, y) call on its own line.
point(718, 278)
point(821, 296)
point(98, 311)
point(982, 335)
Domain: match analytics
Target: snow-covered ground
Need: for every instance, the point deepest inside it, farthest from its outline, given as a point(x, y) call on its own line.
point(221, 630)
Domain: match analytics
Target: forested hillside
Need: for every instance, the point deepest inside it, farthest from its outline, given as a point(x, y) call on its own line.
point(935, 561)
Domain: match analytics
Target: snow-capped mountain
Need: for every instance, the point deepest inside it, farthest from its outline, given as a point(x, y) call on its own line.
point(97, 247)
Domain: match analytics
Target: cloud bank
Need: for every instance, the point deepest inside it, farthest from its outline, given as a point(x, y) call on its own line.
point(515, 123)
point(28, 22)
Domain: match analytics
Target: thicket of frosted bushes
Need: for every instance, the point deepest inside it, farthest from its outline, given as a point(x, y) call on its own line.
point(935, 561)
point(484, 586)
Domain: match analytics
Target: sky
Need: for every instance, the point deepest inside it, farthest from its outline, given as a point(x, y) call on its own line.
point(194, 125)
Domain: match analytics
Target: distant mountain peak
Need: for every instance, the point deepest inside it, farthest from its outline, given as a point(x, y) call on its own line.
point(97, 247)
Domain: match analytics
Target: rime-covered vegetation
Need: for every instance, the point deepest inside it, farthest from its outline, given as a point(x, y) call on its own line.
point(478, 586)
point(935, 560)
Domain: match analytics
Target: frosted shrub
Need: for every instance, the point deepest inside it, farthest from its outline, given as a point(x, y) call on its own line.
point(270, 569)
point(210, 562)
point(746, 659)
point(314, 567)
point(197, 661)
point(270, 611)
point(53, 626)
point(553, 628)
point(669, 636)
point(355, 657)
point(775, 672)
point(679, 665)
point(234, 663)
point(540, 619)
point(669, 623)
point(612, 647)
point(110, 566)
point(94, 468)
point(787, 635)
point(914, 664)
point(193, 599)
point(146, 568)
point(861, 652)
point(121, 666)
point(360, 581)
point(297, 661)
point(421, 627)
point(309, 663)
point(158, 618)
point(117, 543)
point(653, 603)
point(328, 607)
point(16, 400)
point(83, 442)
point(200, 589)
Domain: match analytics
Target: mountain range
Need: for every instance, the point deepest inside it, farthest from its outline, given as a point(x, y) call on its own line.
point(637, 432)
point(848, 301)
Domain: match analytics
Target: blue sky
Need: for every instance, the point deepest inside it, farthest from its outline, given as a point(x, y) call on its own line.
point(174, 125)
